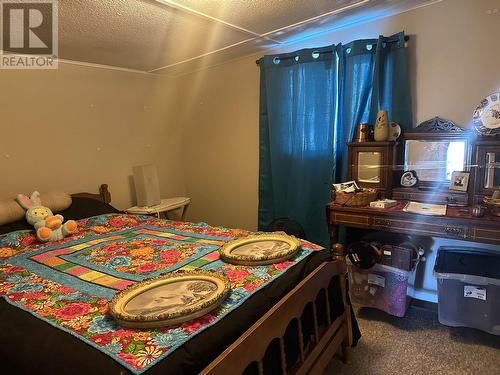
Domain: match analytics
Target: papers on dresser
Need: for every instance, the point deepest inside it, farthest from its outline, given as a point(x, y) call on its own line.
point(426, 208)
point(384, 203)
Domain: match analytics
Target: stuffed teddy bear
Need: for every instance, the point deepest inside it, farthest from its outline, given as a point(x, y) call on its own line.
point(48, 227)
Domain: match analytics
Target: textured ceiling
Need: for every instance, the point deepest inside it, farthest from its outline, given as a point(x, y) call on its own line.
point(174, 37)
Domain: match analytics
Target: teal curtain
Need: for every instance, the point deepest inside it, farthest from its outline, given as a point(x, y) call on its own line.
point(373, 75)
point(297, 111)
point(310, 103)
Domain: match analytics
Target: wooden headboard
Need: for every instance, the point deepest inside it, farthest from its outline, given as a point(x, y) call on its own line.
point(103, 196)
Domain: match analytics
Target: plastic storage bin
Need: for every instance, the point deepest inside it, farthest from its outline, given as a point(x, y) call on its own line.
point(468, 288)
point(382, 287)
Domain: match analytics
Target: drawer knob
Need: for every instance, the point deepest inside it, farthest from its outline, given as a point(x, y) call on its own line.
point(383, 222)
point(453, 231)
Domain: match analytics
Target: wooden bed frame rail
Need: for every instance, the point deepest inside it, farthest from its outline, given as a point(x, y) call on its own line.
point(251, 347)
point(325, 338)
point(103, 196)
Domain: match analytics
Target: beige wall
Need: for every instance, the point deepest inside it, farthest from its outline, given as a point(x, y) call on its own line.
point(454, 64)
point(77, 127)
point(220, 117)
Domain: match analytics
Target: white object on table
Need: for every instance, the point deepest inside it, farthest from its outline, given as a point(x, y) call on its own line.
point(426, 208)
point(165, 205)
point(384, 203)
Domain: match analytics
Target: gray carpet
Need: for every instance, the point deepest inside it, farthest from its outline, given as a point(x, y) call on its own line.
point(418, 344)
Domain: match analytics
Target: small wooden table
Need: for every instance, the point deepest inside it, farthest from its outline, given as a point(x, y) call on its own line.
point(458, 224)
point(164, 207)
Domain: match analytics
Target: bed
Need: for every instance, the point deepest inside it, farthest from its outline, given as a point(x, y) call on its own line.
point(291, 317)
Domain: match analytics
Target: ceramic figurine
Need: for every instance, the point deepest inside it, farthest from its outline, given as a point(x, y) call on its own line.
point(381, 127)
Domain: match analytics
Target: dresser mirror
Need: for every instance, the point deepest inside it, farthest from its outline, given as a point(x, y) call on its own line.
point(434, 161)
point(434, 150)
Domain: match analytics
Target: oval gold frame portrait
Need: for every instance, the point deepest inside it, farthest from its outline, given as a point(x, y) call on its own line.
point(260, 256)
point(152, 309)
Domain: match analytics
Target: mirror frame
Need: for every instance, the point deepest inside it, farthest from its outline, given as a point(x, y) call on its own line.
point(438, 129)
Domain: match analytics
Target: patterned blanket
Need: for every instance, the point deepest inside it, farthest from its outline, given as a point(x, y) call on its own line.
point(68, 283)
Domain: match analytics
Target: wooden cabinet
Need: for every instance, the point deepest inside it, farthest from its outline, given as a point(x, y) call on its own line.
point(371, 165)
point(486, 171)
point(434, 150)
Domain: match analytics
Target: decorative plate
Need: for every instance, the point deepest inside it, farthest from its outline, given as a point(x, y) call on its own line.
point(169, 299)
point(260, 249)
point(409, 179)
point(394, 131)
point(486, 117)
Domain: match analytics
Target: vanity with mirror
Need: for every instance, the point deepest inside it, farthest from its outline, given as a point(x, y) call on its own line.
point(437, 151)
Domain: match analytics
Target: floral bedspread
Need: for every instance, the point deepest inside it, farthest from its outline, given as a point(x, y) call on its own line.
point(68, 283)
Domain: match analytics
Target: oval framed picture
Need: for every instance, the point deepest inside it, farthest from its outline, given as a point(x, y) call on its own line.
point(169, 299)
point(260, 249)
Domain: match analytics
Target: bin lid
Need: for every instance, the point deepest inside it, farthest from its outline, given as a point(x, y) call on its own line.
point(468, 261)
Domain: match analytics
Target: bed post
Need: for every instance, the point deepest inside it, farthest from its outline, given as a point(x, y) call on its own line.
point(337, 252)
point(105, 194)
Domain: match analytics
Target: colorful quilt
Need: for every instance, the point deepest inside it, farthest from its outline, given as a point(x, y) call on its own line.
point(68, 283)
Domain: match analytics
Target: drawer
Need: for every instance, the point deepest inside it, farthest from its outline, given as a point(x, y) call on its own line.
point(452, 199)
point(490, 235)
point(422, 228)
point(341, 218)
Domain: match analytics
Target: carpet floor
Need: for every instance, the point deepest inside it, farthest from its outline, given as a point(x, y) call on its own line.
point(418, 344)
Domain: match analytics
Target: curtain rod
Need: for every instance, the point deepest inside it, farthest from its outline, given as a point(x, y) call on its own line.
point(407, 38)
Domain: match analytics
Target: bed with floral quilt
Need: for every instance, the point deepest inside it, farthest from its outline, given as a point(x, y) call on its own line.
point(54, 313)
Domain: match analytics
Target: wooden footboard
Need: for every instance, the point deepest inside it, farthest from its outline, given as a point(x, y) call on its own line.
point(309, 304)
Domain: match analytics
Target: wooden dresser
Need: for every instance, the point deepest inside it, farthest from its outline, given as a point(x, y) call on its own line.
point(429, 150)
point(457, 224)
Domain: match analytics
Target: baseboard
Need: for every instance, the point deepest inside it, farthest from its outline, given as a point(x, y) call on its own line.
point(423, 294)
point(424, 304)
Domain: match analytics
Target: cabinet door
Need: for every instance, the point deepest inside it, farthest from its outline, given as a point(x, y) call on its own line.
point(487, 170)
point(371, 166)
point(491, 179)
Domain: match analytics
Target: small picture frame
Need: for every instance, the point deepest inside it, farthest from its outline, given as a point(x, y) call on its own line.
point(459, 181)
point(409, 179)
